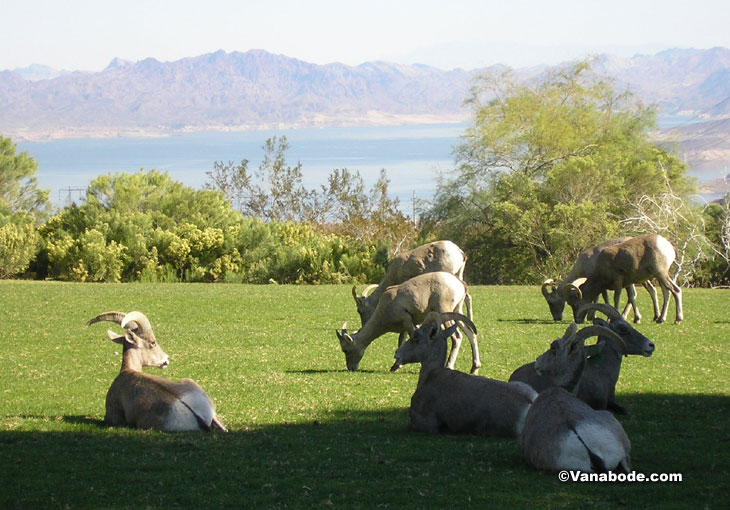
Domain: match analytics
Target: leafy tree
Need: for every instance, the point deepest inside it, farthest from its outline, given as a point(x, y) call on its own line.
point(342, 206)
point(18, 241)
point(18, 184)
point(549, 167)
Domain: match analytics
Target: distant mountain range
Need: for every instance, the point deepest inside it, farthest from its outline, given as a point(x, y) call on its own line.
point(256, 89)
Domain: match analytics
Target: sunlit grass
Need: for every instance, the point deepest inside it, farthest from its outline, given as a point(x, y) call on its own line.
point(307, 433)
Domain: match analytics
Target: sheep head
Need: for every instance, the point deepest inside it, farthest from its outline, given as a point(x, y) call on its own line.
point(425, 338)
point(565, 361)
point(555, 301)
point(137, 335)
point(633, 341)
point(353, 351)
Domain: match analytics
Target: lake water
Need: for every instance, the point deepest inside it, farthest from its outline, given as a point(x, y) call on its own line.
point(413, 156)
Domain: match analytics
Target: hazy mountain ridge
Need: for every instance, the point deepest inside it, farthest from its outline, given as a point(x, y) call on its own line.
point(228, 90)
point(257, 89)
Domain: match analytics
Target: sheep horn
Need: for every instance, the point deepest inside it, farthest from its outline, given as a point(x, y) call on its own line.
point(548, 283)
point(603, 331)
point(455, 316)
point(574, 286)
point(369, 288)
point(117, 317)
point(604, 308)
point(135, 320)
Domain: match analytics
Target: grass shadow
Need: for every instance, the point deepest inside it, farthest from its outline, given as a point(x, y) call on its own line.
point(355, 458)
point(83, 420)
point(530, 321)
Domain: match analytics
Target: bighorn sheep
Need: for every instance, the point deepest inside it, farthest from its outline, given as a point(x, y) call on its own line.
point(401, 307)
point(146, 401)
point(633, 261)
point(562, 432)
point(584, 265)
point(428, 258)
point(598, 386)
point(446, 400)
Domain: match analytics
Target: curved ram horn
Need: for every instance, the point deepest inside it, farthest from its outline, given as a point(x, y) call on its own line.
point(548, 283)
point(117, 317)
point(574, 286)
point(137, 318)
point(604, 308)
point(455, 316)
point(369, 288)
point(603, 331)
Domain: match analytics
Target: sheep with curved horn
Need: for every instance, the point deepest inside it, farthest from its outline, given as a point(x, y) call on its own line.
point(598, 386)
point(562, 432)
point(554, 293)
point(147, 401)
point(636, 260)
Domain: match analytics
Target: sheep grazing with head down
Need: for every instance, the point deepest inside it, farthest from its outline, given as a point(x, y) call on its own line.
point(562, 432)
point(402, 307)
point(146, 401)
point(633, 261)
point(555, 294)
point(446, 400)
point(598, 386)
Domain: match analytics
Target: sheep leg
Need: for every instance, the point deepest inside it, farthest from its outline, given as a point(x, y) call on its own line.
point(652, 293)
point(669, 286)
point(455, 346)
point(631, 293)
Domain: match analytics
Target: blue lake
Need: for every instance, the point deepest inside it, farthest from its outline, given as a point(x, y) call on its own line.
point(413, 156)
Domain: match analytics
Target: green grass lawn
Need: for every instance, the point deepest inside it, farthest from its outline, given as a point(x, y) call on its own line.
point(304, 432)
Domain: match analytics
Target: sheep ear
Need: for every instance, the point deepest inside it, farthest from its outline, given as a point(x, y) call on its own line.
point(117, 339)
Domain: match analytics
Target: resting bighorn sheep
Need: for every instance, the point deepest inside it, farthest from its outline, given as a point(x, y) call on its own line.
point(402, 307)
point(146, 401)
point(428, 258)
point(446, 400)
point(562, 432)
point(633, 261)
point(584, 265)
point(598, 386)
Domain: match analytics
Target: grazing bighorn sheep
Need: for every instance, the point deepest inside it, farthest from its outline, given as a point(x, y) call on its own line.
point(633, 261)
point(598, 386)
point(401, 307)
point(428, 258)
point(446, 400)
point(146, 401)
point(584, 265)
point(562, 432)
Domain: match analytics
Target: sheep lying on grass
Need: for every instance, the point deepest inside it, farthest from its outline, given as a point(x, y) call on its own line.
point(598, 386)
point(562, 432)
point(446, 400)
point(146, 401)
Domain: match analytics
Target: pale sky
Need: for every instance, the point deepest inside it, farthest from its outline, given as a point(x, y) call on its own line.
point(88, 34)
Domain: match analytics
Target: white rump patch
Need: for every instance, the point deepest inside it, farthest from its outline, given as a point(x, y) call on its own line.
point(180, 417)
point(602, 442)
point(666, 249)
